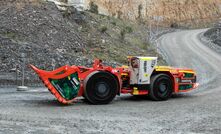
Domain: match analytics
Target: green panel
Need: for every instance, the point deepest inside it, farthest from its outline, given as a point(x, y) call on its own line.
point(188, 75)
point(68, 87)
point(185, 87)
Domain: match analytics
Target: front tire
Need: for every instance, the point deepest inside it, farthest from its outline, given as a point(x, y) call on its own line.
point(101, 88)
point(161, 87)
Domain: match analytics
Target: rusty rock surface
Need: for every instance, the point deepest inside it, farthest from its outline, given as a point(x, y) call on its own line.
point(183, 12)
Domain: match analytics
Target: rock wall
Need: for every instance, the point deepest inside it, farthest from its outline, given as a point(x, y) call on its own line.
point(164, 12)
point(161, 12)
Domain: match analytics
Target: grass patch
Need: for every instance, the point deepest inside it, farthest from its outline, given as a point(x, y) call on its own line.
point(103, 29)
point(128, 29)
point(93, 8)
point(122, 38)
point(13, 35)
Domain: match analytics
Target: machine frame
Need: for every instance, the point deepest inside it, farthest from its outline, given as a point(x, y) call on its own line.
point(92, 83)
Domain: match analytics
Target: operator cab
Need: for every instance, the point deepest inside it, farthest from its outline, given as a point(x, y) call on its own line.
point(141, 69)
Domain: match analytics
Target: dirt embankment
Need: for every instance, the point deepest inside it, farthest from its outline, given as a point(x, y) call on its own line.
point(51, 38)
point(214, 35)
point(172, 12)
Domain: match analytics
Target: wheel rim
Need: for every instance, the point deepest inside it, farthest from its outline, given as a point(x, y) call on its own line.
point(163, 88)
point(102, 89)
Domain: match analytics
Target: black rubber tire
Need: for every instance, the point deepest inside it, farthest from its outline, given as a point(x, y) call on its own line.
point(161, 87)
point(101, 88)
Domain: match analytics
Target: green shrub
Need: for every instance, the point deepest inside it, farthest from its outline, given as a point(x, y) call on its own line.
point(66, 13)
point(140, 7)
point(93, 8)
point(144, 46)
point(119, 14)
point(174, 25)
point(124, 31)
point(122, 34)
point(103, 29)
point(128, 29)
point(114, 23)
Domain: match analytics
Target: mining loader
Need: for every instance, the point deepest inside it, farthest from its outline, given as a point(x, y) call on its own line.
point(100, 84)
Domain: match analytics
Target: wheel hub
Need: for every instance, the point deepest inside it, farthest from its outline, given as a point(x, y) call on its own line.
point(102, 89)
point(162, 87)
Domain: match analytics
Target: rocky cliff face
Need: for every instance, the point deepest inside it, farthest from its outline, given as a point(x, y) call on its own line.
point(164, 12)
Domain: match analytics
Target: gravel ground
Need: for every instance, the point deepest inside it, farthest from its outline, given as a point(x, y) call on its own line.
point(36, 110)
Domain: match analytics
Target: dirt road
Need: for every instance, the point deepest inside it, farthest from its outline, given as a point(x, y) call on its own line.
point(36, 111)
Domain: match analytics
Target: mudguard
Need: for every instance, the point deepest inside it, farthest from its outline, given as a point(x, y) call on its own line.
point(63, 82)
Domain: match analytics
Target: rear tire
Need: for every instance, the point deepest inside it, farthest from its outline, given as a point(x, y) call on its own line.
point(100, 88)
point(161, 87)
